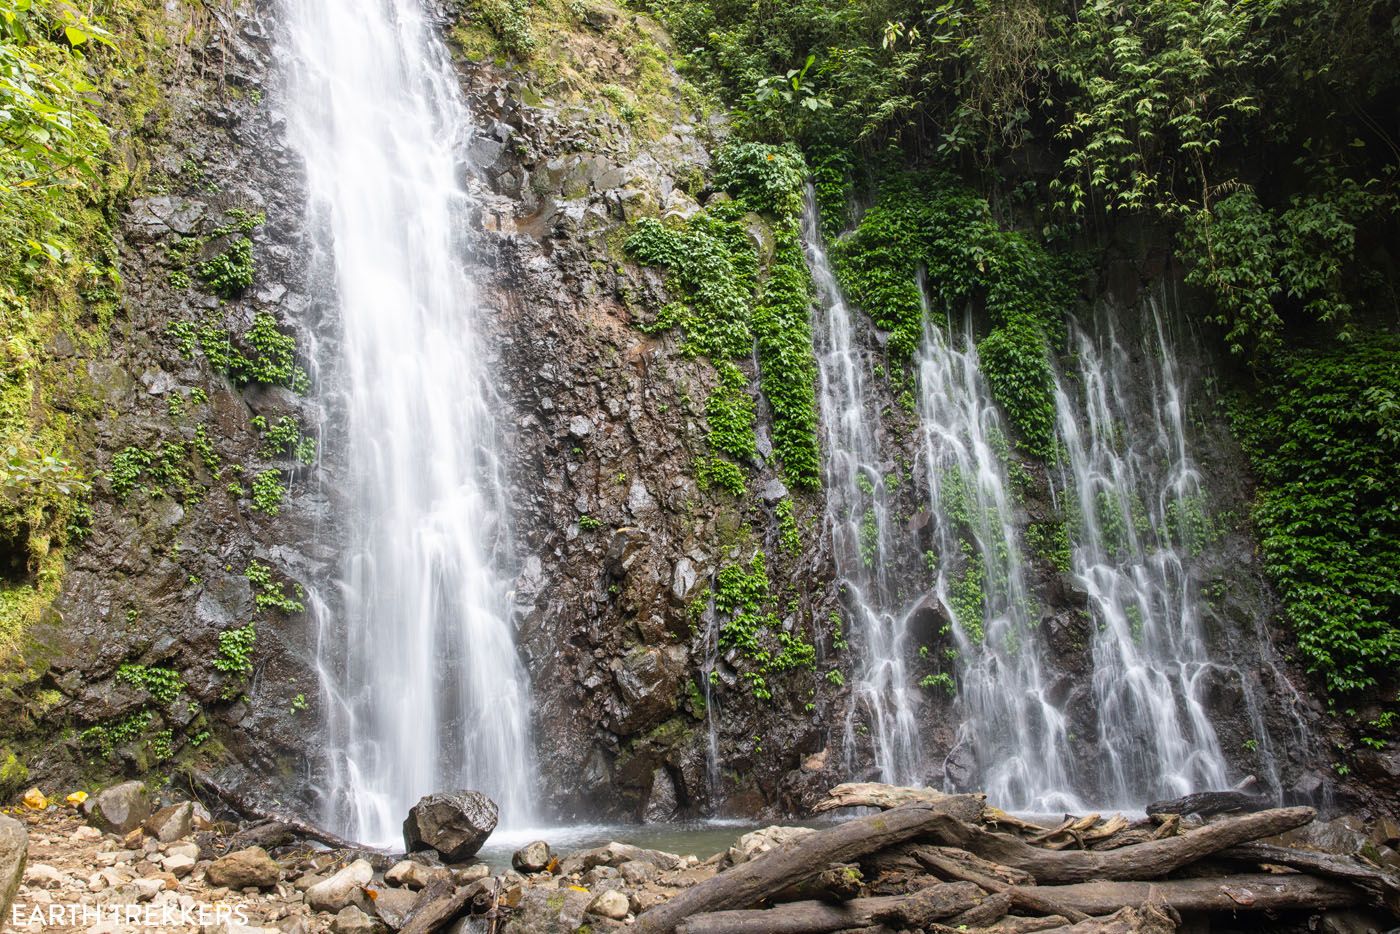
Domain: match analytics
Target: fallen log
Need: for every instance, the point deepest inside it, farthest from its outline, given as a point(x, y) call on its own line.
point(1010, 925)
point(1028, 897)
point(1210, 803)
point(748, 884)
point(876, 795)
point(1149, 860)
point(836, 884)
point(805, 917)
point(902, 859)
point(931, 904)
point(1251, 892)
point(993, 909)
point(1149, 919)
point(1327, 865)
point(245, 806)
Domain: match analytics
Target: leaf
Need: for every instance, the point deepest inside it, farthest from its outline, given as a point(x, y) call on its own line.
point(75, 36)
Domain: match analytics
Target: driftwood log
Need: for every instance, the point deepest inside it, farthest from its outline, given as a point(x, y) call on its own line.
point(1210, 803)
point(876, 795)
point(993, 909)
point(245, 806)
point(931, 904)
point(1232, 894)
point(1010, 925)
point(750, 883)
point(1028, 897)
point(1251, 892)
point(1347, 868)
point(1149, 919)
point(1149, 860)
point(839, 883)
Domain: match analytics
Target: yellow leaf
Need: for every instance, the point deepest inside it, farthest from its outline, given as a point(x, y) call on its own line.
point(34, 800)
point(76, 798)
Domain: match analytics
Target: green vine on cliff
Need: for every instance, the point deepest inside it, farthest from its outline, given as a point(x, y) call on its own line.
point(1324, 437)
point(753, 628)
point(935, 225)
point(730, 296)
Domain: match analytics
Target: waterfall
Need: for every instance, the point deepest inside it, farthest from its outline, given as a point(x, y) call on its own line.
point(859, 515)
point(1009, 726)
point(423, 687)
point(1134, 495)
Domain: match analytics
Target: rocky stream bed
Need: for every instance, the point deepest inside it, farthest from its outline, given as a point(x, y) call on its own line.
point(916, 860)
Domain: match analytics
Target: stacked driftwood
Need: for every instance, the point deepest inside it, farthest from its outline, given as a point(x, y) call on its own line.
point(925, 861)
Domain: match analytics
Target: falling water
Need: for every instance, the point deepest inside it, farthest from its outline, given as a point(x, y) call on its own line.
point(1136, 495)
point(423, 686)
point(860, 518)
point(1009, 726)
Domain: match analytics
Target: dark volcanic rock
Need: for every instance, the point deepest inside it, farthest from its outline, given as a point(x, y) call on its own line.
point(455, 824)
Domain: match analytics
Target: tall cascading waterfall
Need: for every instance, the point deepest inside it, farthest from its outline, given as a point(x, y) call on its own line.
point(1134, 495)
point(859, 516)
point(1009, 725)
point(422, 685)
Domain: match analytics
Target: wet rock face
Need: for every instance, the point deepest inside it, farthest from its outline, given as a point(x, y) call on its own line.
point(455, 824)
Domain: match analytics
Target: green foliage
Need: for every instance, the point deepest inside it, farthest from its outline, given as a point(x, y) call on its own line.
point(935, 224)
point(1049, 541)
point(235, 657)
point(729, 298)
point(589, 524)
point(965, 593)
point(162, 684)
point(166, 471)
point(283, 436)
point(270, 358)
point(754, 629)
point(230, 272)
point(768, 178)
point(509, 21)
point(268, 593)
point(729, 411)
point(268, 492)
point(1260, 264)
point(789, 536)
point(940, 680)
point(106, 738)
point(1324, 437)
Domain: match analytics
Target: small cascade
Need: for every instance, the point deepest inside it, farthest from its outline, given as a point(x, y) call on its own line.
point(1137, 511)
point(1015, 736)
point(859, 515)
point(423, 687)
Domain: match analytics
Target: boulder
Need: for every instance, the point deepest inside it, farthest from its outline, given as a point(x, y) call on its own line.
point(761, 841)
point(393, 905)
point(615, 854)
point(14, 850)
point(411, 874)
point(340, 889)
point(172, 823)
point(351, 920)
point(532, 857)
point(250, 868)
point(179, 865)
point(455, 824)
point(119, 809)
point(610, 904)
point(549, 911)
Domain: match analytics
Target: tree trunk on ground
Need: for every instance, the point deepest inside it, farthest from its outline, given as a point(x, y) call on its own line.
point(931, 904)
point(837, 884)
point(877, 795)
point(243, 805)
point(1028, 897)
point(1253, 892)
point(1349, 869)
point(1149, 919)
point(993, 909)
point(1209, 803)
point(748, 884)
point(1143, 861)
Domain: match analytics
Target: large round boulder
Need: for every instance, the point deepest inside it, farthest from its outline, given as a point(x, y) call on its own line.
point(454, 823)
point(119, 809)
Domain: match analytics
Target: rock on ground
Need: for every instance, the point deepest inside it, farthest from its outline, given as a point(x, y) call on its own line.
point(14, 850)
point(455, 824)
point(532, 857)
point(245, 868)
point(340, 889)
point(119, 809)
